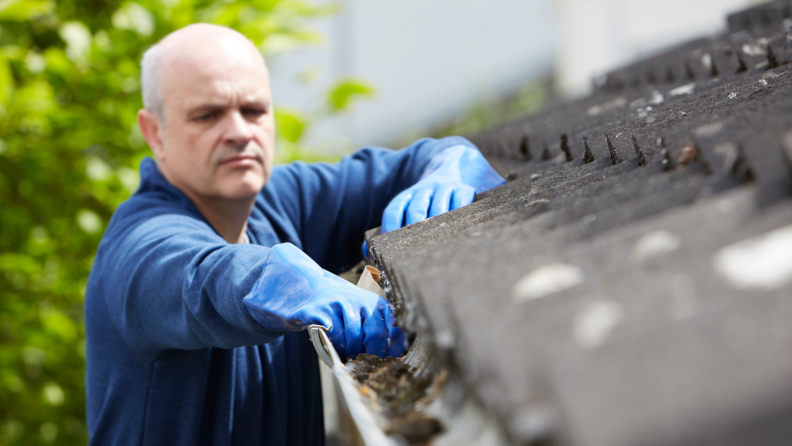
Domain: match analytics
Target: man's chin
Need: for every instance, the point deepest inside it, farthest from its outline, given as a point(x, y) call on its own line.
point(242, 185)
point(245, 189)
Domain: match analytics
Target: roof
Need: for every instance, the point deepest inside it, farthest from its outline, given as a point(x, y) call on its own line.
point(632, 282)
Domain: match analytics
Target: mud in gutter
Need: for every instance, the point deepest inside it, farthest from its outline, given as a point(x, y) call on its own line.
point(419, 398)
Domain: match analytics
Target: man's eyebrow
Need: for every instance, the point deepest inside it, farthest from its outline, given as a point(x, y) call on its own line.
point(207, 106)
point(210, 106)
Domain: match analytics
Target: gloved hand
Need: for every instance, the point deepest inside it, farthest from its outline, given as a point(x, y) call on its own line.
point(294, 292)
point(450, 181)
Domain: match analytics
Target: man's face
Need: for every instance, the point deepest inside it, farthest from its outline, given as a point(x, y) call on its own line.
point(218, 137)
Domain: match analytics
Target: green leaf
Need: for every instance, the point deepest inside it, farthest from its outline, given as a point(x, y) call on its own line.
point(57, 62)
point(290, 124)
point(78, 41)
point(130, 178)
point(23, 10)
point(13, 382)
point(348, 90)
point(34, 356)
point(284, 42)
point(34, 98)
point(58, 323)
point(48, 431)
point(19, 263)
point(35, 62)
point(96, 169)
point(133, 17)
point(89, 221)
point(53, 394)
point(6, 81)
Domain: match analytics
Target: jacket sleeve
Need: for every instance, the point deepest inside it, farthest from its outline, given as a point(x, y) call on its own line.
point(169, 281)
point(332, 205)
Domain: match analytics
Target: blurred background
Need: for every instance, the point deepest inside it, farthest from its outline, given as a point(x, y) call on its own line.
point(345, 74)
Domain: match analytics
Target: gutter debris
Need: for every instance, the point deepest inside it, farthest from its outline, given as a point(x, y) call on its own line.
point(388, 386)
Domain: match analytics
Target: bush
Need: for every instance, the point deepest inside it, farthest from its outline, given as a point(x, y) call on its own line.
point(69, 151)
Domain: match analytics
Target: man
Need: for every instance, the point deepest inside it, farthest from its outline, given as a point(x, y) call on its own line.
point(205, 278)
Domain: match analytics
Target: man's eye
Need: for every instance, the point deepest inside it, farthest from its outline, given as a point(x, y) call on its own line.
point(208, 116)
point(253, 111)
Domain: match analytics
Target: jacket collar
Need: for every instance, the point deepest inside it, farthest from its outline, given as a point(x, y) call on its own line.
point(153, 182)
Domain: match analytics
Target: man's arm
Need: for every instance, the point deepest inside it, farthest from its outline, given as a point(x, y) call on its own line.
point(332, 205)
point(170, 282)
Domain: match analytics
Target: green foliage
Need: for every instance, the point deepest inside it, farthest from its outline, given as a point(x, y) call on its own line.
point(291, 124)
point(69, 150)
point(346, 91)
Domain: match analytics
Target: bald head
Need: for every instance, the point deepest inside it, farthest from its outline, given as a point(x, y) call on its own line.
point(194, 47)
point(208, 116)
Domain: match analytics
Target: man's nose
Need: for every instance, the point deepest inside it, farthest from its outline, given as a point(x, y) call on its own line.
point(237, 132)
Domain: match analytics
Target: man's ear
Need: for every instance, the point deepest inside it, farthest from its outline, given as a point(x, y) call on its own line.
point(151, 128)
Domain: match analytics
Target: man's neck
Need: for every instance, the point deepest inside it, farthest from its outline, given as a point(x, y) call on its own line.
point(227, 217)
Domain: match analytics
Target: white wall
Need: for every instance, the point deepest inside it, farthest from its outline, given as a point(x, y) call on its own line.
point(427, 58)
point(598, 35)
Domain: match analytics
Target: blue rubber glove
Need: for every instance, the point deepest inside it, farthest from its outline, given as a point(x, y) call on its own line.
point(294, 292)
point(450, 181)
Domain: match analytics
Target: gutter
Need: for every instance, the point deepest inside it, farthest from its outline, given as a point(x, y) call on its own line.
point(417, 399)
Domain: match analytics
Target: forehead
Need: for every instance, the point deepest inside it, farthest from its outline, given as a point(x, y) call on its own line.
point(219, 72)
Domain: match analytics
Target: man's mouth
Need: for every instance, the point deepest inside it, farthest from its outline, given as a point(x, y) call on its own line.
point(241, 160)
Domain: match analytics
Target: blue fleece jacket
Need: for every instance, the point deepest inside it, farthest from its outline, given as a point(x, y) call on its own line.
point(173, 356)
